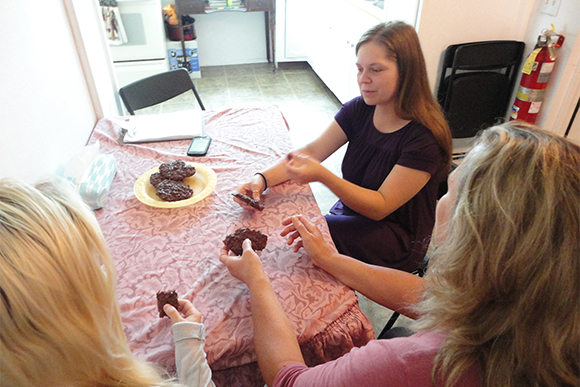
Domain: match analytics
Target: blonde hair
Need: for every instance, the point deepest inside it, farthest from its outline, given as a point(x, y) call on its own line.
point(60, 318)
point(505, 283)
point(414, 98)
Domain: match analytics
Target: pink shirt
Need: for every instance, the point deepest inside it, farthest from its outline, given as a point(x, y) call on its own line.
point(398, 362)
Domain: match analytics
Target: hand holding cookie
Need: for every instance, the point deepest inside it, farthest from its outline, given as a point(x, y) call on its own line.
point(247, 267)
point(166, 297)
point(254, 189)
point(187, 310)
point(233, 242)
point(247, 202)
point(168, 305)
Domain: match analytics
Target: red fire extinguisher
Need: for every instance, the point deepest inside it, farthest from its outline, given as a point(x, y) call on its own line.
point(536, 73)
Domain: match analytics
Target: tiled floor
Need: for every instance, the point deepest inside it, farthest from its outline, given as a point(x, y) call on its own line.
point(307, 105)
point(305, 101)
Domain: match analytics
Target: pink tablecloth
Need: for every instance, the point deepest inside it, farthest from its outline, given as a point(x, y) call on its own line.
point(160, 249)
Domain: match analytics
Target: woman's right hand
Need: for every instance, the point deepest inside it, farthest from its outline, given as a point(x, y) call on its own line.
point(187, 310)
point(254, 189)
point(246, 267)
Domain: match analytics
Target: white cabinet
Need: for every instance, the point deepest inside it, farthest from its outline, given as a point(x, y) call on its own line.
point(296, 22)
point(333, 37)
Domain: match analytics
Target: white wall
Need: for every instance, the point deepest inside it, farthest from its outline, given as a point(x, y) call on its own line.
point(93, 49)
point(46, 109)
point(228, 38)
point(445, 22)
point(57, 77)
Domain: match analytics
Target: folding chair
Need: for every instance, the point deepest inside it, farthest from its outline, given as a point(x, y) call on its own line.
point(476, 83)
point(156, 89)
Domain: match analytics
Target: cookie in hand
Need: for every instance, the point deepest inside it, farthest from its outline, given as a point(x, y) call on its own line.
point(249, 201)
point(234, 241)
point(166, 297)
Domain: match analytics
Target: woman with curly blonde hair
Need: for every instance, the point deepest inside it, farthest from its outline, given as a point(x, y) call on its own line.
point(60, 319)
point(504, 284)
point(499, 306)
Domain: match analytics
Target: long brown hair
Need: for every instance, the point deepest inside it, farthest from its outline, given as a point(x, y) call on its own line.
point(505, 282)
point(414, 98)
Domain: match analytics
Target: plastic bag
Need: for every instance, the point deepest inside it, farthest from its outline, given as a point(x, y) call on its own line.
point(92, 174)
point(169, 14)
point(79, 163)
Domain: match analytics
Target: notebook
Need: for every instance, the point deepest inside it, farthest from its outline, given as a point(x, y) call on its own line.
point(163, 127)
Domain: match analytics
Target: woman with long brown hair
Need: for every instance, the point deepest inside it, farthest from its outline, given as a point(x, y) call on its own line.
point(399, 150)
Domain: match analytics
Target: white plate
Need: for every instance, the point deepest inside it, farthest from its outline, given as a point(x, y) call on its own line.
point(202, 183)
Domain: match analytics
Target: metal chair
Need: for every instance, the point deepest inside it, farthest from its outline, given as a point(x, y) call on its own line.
point(476, 83)
point(156, 89)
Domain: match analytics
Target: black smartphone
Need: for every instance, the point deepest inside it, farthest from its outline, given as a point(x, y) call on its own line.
point(199, 146)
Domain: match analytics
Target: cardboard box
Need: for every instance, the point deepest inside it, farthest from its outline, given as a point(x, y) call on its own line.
point(175, 56)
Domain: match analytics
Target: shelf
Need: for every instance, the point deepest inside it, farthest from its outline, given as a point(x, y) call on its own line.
point(226, 9)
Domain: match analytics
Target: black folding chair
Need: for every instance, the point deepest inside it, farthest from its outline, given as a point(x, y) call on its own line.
point(476, 83)
point(157, 89)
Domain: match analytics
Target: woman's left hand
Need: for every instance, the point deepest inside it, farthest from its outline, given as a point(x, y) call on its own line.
point(308, 236)
point(190, 313)
point(302, 168)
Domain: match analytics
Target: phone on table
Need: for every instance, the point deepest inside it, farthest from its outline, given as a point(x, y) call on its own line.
point(199, 146)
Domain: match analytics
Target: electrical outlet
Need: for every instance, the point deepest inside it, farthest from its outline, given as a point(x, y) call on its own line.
point(550, 7)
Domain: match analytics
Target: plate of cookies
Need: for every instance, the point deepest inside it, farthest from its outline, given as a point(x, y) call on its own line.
point(175, 184)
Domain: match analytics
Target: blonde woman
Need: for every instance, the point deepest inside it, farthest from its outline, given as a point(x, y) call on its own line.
point(60, 321)
point(399, 150)
point(499, 306)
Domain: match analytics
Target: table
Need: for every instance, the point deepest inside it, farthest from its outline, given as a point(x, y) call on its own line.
point(194, 7)
point(161, 249)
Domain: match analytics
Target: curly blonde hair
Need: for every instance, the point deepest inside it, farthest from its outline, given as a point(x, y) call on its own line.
point(505, 283)
point(60, 318)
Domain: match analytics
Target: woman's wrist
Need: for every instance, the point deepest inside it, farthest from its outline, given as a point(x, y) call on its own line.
point(324, 259)
point(263, 179)
point(258, 282)
point(324, 175)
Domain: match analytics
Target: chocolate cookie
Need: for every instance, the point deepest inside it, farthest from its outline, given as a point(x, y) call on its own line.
point(172, 191)
point(176, 170)
point(166, 297)
point(155, 179)
point(234, 241)
point(249, 201)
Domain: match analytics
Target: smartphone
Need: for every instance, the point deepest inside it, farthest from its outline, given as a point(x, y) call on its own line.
point(199, 146)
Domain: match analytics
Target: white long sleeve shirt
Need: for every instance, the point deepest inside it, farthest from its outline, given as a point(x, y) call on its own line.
point(190, 358)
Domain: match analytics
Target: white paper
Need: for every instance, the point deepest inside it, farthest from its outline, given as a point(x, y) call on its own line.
point(164, 127)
